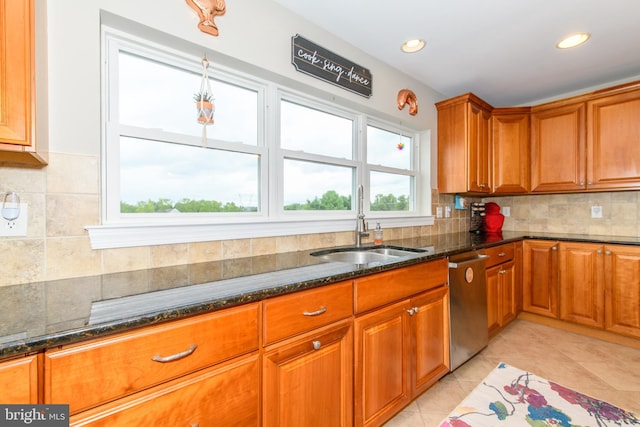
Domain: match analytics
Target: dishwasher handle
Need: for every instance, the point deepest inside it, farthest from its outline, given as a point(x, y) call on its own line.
point(466, 262)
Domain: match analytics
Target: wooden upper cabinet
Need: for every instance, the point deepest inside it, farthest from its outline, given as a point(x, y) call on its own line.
point(464, 125)
point(613, 157)
point(510, 150)
point(558, 147)
point(17, 86)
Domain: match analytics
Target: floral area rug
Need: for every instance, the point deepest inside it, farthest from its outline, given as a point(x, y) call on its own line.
point(511, 397)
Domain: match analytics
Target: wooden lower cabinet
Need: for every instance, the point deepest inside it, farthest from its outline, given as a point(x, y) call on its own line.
point(622, 289)
point(308, 380)
point(540, 277)
point(400, 350)
point(501, 296)
point(582, 283)
point(19, 380)
point(224, 395)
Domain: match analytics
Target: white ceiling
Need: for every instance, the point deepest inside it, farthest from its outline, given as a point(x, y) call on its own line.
point(501, 50)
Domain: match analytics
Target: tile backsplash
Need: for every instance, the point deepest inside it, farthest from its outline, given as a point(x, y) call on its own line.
point(65, 196)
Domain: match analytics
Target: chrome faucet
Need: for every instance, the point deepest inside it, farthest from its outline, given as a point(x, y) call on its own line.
point(361, 225)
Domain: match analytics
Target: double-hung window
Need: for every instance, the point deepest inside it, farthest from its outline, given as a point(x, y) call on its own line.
point(276, 161)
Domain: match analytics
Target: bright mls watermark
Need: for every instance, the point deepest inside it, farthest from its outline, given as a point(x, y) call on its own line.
point(34, 415)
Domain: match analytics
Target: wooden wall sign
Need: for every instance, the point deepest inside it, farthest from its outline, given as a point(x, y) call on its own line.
point(316, 61)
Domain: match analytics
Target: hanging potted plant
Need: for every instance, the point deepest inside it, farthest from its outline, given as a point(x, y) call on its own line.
point(204, 104)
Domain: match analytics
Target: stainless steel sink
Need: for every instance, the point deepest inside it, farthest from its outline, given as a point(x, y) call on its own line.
point(366, 255)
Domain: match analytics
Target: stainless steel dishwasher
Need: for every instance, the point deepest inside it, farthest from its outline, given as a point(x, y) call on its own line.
point(468, 306)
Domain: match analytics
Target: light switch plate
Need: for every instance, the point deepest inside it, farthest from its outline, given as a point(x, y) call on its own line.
point(17, 227)
point(596, 211)
point(506, 210)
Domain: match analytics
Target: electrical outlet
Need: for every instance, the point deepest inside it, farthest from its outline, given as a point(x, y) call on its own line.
point(447, 211)
point(439, 212)
point(596, 211)
point(506, 210)
point(16, 227)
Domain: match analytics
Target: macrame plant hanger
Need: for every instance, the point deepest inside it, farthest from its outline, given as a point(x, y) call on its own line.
point(204, 101)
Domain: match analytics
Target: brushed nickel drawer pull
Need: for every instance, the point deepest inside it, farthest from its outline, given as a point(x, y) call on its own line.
point(177, 356)
point(502, 254)
point(317, 345)
point(322, 310)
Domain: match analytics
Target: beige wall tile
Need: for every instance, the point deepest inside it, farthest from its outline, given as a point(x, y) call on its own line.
point(125, 259)
point(287, 244)
point(22, 261)
point(168, 255)
point(205, 251)
point(71, 257)
point(239, 248)
point(68, 214)
point(263, 246)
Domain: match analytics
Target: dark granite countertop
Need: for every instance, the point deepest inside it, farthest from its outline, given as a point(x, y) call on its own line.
point(42, 315)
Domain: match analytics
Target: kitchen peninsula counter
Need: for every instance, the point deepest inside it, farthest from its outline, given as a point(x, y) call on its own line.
point(41, 315)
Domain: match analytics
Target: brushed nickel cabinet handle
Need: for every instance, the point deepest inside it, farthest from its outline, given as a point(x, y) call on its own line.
point(607, 252)
point(322, 310)
point(177, 356)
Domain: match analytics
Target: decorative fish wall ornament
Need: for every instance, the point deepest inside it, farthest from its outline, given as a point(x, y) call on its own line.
point(406, 96)
point(207, 10)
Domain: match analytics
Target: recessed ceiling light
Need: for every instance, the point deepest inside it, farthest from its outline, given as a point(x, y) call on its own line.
point(412, 45)
point(573, 40)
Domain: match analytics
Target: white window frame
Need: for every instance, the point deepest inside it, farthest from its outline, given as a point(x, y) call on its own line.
point(272, 220)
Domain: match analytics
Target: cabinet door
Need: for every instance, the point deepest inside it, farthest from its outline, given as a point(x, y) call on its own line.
point(19, 380)
point(463, 145)
point(17, 79)
point(510, 150)
point(509, 308)
point(430, 333)
point(381, 364)
point(622, 284)
point(501, 296)
point(479, 128)
point(494, 305)
point(582, 283)
point(225, 395)
point(558, 148)
point(613, 157)
point(540, 277)
point(308, 380)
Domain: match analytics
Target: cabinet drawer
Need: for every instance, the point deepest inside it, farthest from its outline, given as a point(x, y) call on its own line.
point(224, 395)
point(292, 314)
point(19, 380)
point(101, 370)
point(383, 288)
point(499, 254)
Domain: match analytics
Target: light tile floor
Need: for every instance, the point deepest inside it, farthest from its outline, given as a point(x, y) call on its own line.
point(601, 369)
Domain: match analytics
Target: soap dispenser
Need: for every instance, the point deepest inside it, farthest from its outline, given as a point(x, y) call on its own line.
point(377, 235)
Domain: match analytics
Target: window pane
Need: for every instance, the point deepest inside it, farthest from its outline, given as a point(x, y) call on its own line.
point(390, 192)
point(388, 148)
point(316, 132)
point(316, 186)
point(160, 177)
point(148, 100)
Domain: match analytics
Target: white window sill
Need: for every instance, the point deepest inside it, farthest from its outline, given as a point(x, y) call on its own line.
point(122, 236)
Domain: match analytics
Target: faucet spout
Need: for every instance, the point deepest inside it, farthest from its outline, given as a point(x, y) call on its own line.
point(361, 225)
